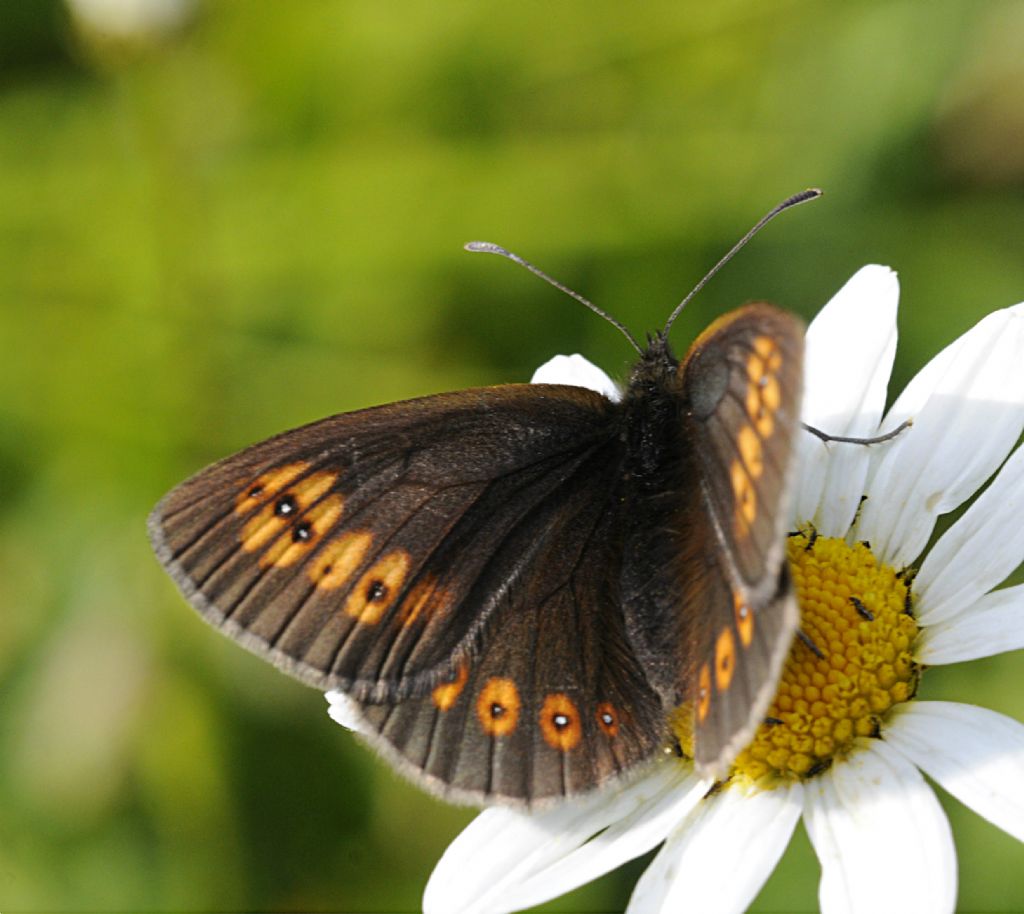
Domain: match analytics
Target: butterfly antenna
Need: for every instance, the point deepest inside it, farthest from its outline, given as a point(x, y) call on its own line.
point(802, 197)
point(486, 247)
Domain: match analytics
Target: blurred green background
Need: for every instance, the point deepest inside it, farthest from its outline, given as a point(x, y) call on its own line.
point(245, 216)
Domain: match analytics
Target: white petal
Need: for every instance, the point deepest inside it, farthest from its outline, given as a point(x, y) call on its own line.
point(344, 710)
point(978, 551)
point(502, 848)
point(719, 857)
point(577, 371)
point(883, 840)
point(629, 837)
point(989, 626)
point(850, 348)
point(975, 754)
point(968, 410)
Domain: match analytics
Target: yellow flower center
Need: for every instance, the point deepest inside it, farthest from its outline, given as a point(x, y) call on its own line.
point(856, 612)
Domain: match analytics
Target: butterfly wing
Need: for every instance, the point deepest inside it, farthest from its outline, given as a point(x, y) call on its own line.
point(391, 551)
point(708, 596)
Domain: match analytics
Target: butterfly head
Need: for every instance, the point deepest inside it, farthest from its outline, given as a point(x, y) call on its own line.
point(657, 368)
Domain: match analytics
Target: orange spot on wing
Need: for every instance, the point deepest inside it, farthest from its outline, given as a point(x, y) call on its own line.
point(447, 693)
point(378, 587)
point(560, 722)
point(339, 559)
point(764, 394)
point(771, 393)
point(310, 488)
point(744, 496)
point(289, 547)
point(725, 658)
point(269, 522)
point(764, 422)
point(265, 486)
point(769, 352)
point(608, 718)
point(703, 693)
point(261, 529)
point(755, 367)
point(755, 408)
point(497, 706)
point(749, 445)
point(744, 616)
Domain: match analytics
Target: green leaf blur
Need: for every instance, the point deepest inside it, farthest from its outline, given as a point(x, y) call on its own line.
point(215, 231)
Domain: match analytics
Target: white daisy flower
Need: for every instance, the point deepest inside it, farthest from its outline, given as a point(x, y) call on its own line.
point(128, 18)
point(845, 745)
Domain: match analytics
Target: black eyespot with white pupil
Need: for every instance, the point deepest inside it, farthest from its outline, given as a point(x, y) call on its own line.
point(561, 721)
point(377, 591)
point(496, 709)
point(303, 532)
point(285, 506)
point(607, 719)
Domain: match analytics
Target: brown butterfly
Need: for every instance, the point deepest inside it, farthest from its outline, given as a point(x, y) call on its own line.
point(518, 585)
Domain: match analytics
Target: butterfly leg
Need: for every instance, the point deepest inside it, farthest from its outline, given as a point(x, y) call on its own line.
point(811, 646)
point(877, 439)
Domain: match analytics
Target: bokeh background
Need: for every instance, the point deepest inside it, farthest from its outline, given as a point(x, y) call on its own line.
point(222, 219)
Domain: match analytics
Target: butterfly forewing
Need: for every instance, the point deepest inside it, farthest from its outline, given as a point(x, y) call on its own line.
point(452, 563)
point(743, 379)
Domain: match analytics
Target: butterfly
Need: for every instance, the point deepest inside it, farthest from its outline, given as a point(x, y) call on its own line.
point(518, 586)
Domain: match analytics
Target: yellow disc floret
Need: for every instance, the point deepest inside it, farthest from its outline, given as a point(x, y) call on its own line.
point(851, 664)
